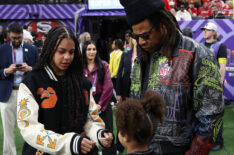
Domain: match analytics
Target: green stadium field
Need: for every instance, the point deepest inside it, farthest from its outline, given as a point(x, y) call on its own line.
point(228, 135)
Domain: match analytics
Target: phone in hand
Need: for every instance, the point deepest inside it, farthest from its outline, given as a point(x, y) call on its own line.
point(18, 65)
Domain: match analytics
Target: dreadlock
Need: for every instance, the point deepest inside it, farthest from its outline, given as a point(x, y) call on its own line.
point(76, 101)
point(164, 19)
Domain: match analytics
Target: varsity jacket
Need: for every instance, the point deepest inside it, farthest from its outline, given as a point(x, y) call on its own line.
point(190, 85)
point(42, 115)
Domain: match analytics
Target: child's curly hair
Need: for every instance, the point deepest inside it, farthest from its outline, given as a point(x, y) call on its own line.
point(135, 118)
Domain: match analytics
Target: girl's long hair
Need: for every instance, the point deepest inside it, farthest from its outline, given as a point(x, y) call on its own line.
point(78, 109)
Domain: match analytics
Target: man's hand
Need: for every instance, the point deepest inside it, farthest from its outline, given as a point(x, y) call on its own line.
point(107, 139)
point(11, 69)
point(24, 68)
point(87, 145)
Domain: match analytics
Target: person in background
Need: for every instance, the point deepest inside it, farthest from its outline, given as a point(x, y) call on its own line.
point(56, 112)
point(27, 37)
point(17, 58)
point(220, 52)
point(204, 11)
point(85, 36)
point(214, 44)
point(136, 128)
point(127, 40)
point(187, 31)
point(183, 14)
point(174, 9)
point(3, 35)
point(36, 42)
point(97, 71)
point(192, 9)
point(228, 6)
point(123, 80)
point(115, 58)
point(184, 72)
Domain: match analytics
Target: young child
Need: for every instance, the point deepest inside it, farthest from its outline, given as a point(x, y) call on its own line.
point(136, 121)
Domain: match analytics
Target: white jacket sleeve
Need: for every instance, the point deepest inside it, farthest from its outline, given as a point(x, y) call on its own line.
point(33, 132)
point(94, 124)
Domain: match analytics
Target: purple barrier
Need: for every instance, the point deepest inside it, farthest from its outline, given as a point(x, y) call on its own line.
point(226, 33)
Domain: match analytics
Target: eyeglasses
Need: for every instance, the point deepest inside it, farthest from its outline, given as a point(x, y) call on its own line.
point(16, 38)
point(144, 35)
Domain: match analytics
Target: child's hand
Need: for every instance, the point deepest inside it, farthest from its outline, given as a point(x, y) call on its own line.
point(107, 139)
point(86, 145)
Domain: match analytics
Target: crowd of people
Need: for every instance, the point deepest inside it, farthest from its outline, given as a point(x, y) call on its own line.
point(167, 87)
point(205, 9)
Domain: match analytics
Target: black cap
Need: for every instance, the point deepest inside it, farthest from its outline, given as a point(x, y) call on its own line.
point(188, 30)
point(138, 10)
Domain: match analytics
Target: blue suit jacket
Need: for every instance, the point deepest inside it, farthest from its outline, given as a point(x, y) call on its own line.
point(30, 56)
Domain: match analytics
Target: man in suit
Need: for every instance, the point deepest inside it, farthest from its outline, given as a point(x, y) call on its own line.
point(16, 59)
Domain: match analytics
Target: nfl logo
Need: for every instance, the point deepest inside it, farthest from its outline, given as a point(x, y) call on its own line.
point(164, 69)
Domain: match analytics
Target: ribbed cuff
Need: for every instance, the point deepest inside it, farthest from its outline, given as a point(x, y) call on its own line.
point(100, 134)
point(75, 144)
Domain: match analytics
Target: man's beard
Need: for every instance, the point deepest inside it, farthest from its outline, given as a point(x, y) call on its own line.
point(15, 45)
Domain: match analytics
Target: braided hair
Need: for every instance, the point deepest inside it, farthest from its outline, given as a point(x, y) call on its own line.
point(78, 109)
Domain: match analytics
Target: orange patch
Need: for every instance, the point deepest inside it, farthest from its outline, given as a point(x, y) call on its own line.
point(52, 143)
point(48, 96)
point(40, 140)
point(23, 102)
point(92, 103)
point(95, 112)
point(99, 120)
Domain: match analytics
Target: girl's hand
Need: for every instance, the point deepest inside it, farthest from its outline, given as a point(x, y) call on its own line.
point(86, 145)
point(107, 139)
point(98, 107)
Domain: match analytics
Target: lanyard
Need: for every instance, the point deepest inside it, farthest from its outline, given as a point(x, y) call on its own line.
point(94, 82)
point(14, 55)
point(95, 79)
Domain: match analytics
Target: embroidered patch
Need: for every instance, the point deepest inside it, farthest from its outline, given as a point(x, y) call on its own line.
point(48, 96)
point(23, 112)
point(164, 69)
point(48, 138)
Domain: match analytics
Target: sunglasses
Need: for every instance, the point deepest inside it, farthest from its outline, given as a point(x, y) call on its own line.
point(144, 35)
point(16, 38)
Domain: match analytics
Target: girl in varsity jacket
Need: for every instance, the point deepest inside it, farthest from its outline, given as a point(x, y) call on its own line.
point(56, 113)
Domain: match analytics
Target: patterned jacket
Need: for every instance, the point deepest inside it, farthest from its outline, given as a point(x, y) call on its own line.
point(42, 115)
point(190, 85)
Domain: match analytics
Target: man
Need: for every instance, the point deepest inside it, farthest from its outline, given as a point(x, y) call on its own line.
point(205, 10)
point(187, 31)
point(220, 51)
point(183, 71)
point(16, 59)
point(192, 9)
point(183, 14)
